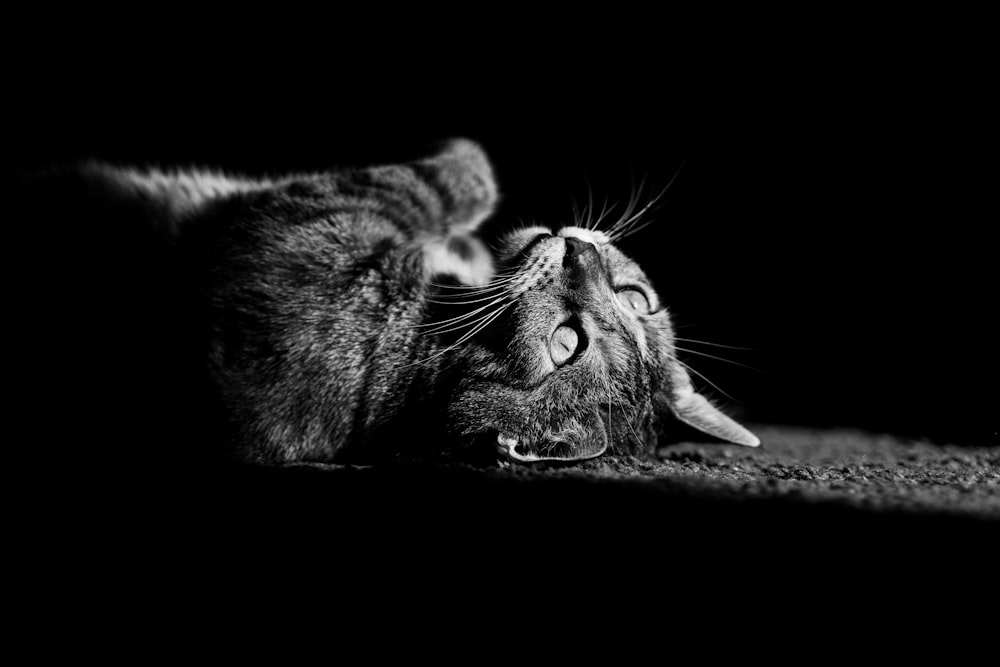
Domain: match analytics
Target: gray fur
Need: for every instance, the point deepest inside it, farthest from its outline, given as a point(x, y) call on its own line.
point(328, 335)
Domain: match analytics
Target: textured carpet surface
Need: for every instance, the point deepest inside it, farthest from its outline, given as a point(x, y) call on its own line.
point(868, 471)
point(809, 505)
point(841, 468)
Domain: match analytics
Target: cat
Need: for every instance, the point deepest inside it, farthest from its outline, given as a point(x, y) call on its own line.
point(355, 316)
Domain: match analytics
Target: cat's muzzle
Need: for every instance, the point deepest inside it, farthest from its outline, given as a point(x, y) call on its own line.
point(581, 261)
point(564, 447)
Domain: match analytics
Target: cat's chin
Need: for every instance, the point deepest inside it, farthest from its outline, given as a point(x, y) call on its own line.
point(570, 445)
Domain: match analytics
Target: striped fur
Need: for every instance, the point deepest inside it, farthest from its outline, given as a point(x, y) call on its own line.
point(315, 286)
point(341, 312)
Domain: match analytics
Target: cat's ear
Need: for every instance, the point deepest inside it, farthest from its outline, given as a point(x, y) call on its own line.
point(461, 175)
point(695, 410)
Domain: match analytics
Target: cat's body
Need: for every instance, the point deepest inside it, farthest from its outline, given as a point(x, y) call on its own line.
point(353, 315)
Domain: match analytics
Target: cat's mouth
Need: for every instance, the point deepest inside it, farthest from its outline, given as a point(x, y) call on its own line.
point(512, 449)
point(579, 441)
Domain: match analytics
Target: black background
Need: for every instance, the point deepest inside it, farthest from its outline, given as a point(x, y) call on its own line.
point(829, 212)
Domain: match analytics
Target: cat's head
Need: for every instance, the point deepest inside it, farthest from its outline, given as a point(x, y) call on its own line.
point(575, 356)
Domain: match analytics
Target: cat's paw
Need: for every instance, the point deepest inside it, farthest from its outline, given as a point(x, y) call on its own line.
point(461, 175)
point(465, 258)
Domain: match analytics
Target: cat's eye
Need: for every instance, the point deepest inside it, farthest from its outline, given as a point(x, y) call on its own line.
point(564, 343)
point(635, 300)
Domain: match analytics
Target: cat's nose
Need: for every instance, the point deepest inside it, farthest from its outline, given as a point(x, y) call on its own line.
point(579, 253)
point(581, 263)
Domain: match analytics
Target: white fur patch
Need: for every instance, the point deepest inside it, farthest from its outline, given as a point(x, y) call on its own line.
point(439, 259)
point(588, 235)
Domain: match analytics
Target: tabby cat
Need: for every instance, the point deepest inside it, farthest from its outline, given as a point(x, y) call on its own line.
point(344, 313)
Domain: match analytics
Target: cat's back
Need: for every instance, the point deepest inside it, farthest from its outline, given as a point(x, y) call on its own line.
point(125, 244)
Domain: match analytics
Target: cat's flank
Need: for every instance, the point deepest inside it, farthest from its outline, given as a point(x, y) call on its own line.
point(354, 315)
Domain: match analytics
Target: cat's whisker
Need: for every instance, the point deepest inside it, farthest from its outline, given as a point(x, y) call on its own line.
point(471, 290)
point(455, 298)
point(629, 208)
point(704, 342)
point(624, 228)
point(476, 288)
point(584, 217)
point(630, 232)
point(605, 212)
point(464, 301)
point(632, 229)
point(467, 299)
point(577, 217)
point(594, 225)
point(459, 317)
point(638, 440)
point(461, 340)
point(717, 387)
point(723, 359)
point(496, 277)
point(459, 327)
point(629, 215)
point(494, 280)
point(628, 227)
point(447, 327)
point(611, 427)
point(590, 204)
point(483, 325)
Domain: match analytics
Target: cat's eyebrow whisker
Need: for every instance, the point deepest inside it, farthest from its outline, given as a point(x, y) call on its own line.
point(633, 202)
point(624, 225)
point(717, 387)
point(577, 217)
point(629, 232)
point(590, 204)
point(627, 214)
point(605, 211)
point(624, 228)
point(630, 227)
point(712, 356)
